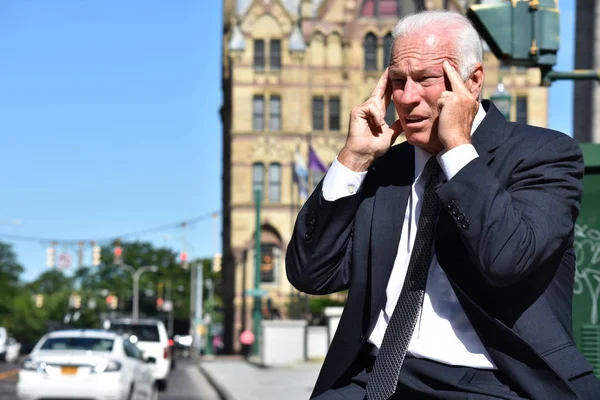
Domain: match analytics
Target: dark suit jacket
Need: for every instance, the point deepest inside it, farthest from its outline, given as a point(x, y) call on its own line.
point(504, 238)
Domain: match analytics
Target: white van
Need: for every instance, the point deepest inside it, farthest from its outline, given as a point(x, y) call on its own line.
point(3, 340)
point(9, 347)
point(150, 336)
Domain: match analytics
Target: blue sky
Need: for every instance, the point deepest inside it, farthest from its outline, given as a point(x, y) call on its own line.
point(109, 113)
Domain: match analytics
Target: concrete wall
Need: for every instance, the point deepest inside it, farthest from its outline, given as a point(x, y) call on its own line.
point(282, 342)
point(317, 342)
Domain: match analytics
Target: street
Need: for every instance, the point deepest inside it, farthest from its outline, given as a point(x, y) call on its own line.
point(186, 383)
point(8, 380)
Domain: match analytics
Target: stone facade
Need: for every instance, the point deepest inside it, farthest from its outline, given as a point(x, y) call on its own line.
point(282, 60)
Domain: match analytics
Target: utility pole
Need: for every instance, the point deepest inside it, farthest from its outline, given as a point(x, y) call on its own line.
point(80, 254)
point(168, 299)
point(193, 303)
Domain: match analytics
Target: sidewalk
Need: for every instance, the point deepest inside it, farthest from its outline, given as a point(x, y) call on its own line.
point(238, 379)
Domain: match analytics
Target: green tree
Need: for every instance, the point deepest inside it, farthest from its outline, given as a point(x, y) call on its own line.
point(10, 271)
point(26, 323)
point(56, 289)
point(171, 276)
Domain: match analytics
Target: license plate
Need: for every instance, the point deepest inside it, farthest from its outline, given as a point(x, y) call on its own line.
point(69, 370)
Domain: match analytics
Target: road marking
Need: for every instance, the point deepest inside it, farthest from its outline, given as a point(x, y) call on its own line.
point(9, 374)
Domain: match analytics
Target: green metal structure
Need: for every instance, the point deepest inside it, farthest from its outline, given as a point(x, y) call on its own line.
point(586, 293)
point(525, 33)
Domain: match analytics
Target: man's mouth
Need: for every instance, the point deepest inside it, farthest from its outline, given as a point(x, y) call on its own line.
point(414, 119)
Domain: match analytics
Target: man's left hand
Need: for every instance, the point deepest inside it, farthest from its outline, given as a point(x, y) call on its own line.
point(458, 108)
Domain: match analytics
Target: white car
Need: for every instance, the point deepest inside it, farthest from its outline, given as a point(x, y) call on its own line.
point(150, 336)
point(91, 364)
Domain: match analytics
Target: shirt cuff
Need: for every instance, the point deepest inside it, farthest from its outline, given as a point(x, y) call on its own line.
point(454, 160)
point(340, 181)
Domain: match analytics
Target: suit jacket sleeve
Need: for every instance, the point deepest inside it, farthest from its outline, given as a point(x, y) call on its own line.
point(512, 230)
point(318, 256)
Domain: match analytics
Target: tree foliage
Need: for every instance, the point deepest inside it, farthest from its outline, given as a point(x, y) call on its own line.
point(28, 322)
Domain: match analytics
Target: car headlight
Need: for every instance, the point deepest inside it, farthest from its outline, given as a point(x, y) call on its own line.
point(106, 366)
point(30, 365)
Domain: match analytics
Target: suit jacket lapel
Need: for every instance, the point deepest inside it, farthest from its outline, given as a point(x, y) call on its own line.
point(491, 132)
point(389, 209)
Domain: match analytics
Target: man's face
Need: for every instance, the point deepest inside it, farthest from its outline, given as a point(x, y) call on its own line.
point(418, 80)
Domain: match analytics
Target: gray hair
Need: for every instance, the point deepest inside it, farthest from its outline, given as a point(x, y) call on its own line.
point(468, 42)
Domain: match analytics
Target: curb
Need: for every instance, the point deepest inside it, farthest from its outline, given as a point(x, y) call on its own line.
point(222, 391)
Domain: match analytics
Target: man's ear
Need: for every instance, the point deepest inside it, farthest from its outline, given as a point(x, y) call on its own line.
point(475, 81)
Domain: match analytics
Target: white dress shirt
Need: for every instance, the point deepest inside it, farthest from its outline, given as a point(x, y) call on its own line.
point(443, 333)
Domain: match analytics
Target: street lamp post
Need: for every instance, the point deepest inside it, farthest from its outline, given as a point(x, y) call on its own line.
point(136, 274)
point(502, 99)
point(209, 347)
point(257, 259)
point(136, 284)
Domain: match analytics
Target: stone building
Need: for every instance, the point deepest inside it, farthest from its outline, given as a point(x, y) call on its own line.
point(292, 71)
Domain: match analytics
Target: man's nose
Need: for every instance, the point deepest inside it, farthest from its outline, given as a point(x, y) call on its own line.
point(411, 94)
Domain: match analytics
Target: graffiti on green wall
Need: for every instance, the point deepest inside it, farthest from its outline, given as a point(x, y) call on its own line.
point(587, 275)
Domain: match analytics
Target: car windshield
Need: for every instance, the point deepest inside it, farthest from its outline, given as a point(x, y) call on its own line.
point(143, 333)
point(78, 343)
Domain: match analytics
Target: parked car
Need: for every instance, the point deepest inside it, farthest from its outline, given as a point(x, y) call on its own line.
point(13, 350)
point(86, 363)
point(183, 345)
point(150, 336)
point(9, 347)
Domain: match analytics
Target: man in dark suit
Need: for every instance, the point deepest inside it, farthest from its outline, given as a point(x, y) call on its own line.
point(455, 246)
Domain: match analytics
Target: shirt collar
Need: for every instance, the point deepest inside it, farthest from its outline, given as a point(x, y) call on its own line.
point(421, 156)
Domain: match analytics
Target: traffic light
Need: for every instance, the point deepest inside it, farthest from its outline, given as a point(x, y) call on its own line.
point(112, 302)
point(117, 255)
point(50, 257)
point(117, 252)
point(96, 251)
point(77, 302)
point(39, 300)
point(183, 257)
point(521, 32)
point(217, 260)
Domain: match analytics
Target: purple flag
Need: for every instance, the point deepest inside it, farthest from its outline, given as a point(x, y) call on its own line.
point(314, 162)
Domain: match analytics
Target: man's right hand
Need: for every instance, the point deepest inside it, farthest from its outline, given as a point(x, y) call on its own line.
point(369, 136)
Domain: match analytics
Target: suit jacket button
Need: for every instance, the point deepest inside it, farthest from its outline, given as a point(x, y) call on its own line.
point(460, 218)
point(312, 222)
point(451, 202)
point(307, 236)
point(465, 225)
point(449, 206)
point(455, 211)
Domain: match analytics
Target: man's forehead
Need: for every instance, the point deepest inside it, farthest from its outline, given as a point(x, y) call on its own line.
point(425, 42)
point(423, 50)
